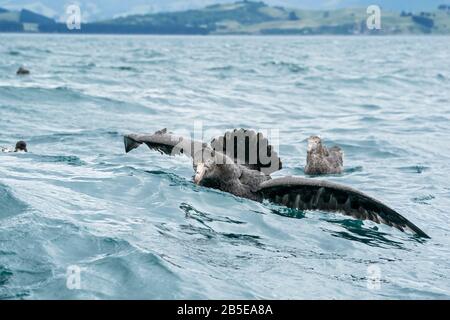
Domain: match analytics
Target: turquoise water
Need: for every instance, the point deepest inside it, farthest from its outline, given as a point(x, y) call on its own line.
point(138, 228)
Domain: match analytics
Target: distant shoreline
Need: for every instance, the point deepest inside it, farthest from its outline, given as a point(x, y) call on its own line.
point(242, 18)
point(78, 34)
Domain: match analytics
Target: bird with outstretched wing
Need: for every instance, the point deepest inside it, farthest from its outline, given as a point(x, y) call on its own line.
point(241, 161)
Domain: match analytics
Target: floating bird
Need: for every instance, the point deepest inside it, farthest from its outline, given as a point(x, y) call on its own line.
point(21, 146)
point(321, 160)
point(22, 71)
point(240, 162)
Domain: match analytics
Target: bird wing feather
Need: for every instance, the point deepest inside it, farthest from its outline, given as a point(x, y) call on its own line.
point(310, 194)
point(248, 148)
point(168, 143)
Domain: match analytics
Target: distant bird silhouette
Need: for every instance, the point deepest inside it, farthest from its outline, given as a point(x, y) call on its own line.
point(321, 160)
point(22, 71)
point(240, 162)
point(21, 146)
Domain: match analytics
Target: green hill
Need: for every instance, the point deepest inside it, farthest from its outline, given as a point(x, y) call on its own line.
point(245, 17)
point(22, 21)
point(248, 17)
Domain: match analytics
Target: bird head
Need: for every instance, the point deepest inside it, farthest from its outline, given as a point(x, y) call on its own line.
point(204, 171)
point(21, 146)
point(215, 168)
point(314, 144)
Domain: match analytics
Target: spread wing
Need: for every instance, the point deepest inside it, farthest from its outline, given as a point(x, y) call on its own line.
point(310, 194)
point(170, 144)
point(248, 148)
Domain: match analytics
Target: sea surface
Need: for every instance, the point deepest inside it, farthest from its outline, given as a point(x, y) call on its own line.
point(134, 226)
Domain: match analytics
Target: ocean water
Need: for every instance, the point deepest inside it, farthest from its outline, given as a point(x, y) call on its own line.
point(135, 226)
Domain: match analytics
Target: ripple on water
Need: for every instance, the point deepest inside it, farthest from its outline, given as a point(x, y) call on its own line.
point(70, 160)
point(356, 230)
point(5, 275)
point(57, 95)
point(415, 169)
point(202, 217)
point(288, 66)
point(14, 53)
point(9, 204)
point(125, 68)
point(375, 148)
point(203, 224)
point(425, 199)
point(370, 107)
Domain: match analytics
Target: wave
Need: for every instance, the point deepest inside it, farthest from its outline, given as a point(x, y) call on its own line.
point(175, 179)
point(414, 169)
point(289, 66)
point(65, 96)
point(222, 68)
point(225, 70)
point(125, 68)
point(34, 49)
point(57, 137)
point(14, 53)
point(371, 119)
point(70, 160)
point(286, 212)
point(5, 276)
point(9, 205)
point(424, 199)
point(198, 228)
point(373, 147)
point(35, 93)
point(370, 107)
point(138, 52)
point(349, 170)
point(356, 230)
point(204, 217)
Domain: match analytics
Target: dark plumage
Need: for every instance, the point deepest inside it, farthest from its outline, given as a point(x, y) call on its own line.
point(242, 169)
point(321, 160)
point(22, 71)
point(21, 146)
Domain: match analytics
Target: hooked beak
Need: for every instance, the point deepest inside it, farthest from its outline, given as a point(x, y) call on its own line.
point(200, 173)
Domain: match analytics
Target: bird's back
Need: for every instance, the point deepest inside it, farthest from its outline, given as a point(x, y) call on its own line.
point(336, 159)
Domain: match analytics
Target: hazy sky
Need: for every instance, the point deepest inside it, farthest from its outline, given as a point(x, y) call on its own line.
point(101, 9)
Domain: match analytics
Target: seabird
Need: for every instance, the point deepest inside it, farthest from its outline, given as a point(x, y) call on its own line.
point(21, 146)
point(241, 161)
point(22, 71)
point(321, 160)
